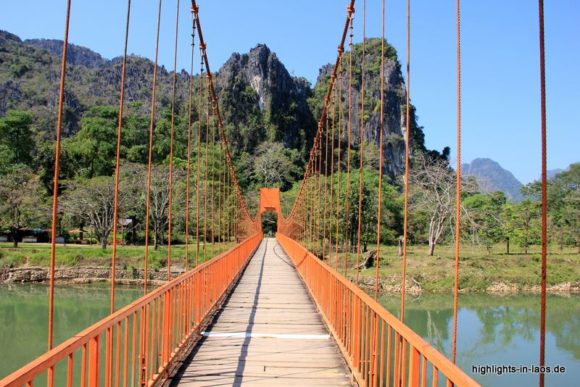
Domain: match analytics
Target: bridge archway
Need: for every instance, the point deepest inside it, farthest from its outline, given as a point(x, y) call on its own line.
point(269, 223)
point(270, 203)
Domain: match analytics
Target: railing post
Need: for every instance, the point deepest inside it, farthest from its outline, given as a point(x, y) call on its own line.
point(397, 361)
point(69, 370)
point(197, 295)
point(83, 366)
point(414, 368)
point(94, 350)
point(166, 339)
point(374, 358)
point(108, 356)
point(50, 377)
point(143, 347)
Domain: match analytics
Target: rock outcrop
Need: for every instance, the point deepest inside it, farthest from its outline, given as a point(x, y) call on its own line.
point(260, 101)
point(76, 55)
point(258, 95)
point(394, 103)
point(81, 275)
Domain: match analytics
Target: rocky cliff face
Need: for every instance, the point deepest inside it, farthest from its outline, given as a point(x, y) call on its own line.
point(29, 75)
point(259, 96)
point(76, 55)
point(260, 101)
point(394, 104)
point(30, 72)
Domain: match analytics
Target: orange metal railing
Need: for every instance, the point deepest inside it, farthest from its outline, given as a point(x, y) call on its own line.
point(137, 345)
point(380, 349)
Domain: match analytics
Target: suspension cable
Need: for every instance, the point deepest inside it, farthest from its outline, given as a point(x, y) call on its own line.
point(189, 128)
point(219, 207)
point(457, 186)
point(230, 214)
point(198, 155)
point(206, 175)
point(315, 188)
point(320, 197)
point(339, 158)
point(309, 168)
point(212, 185)
point(361, 144)
point(150, 150)
point(544, 192)
point(171, 141)
point(319, 191)
point(407, 167)
point(325, 181)
point(213, 99)
point(348, 149)
point(310, 203)
point(118, 160)
point(331, 198)
point(382, 128)
point(55, 179)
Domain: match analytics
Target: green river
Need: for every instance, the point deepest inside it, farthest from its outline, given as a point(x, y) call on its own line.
point(493, 330)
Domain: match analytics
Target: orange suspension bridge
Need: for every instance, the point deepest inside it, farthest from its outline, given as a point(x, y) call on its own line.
point(267, 311)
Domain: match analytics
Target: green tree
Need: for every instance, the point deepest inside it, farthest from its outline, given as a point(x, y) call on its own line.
point(507, 217)
point(432, 196)
point(21, 202)
point(91, 202)
point(484, 217)
point(390, 210)
point(275, 166)
point(45, 165)
point(93, 147)
point(135, 177)
point(162, 137)
point(135, 138)
point(526, 223)
point(7, 157)
point(368, 218)
point(16, 141)
point(563, 205)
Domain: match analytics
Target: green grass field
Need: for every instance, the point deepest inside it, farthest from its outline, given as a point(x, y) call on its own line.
point(38, 254)
point(478, 268)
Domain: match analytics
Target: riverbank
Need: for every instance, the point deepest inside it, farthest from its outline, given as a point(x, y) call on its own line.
point(481, 271)
point(82, 264)
point(84, 275)
point(391, 285)
point(133, 276)
point(38, 255)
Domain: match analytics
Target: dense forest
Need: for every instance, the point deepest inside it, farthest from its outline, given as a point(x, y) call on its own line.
point(270, 120)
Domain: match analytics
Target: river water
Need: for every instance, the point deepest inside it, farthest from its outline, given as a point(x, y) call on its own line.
point(24, 316)
point(500, 331)
point(493, 330)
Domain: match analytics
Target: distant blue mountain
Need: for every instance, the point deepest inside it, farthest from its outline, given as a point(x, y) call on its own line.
point(551, 173)
point(491, 177)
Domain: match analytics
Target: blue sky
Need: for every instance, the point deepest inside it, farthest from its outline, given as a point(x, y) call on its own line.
point(501, 115)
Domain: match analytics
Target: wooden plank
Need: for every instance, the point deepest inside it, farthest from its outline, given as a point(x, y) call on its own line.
point(268, 333)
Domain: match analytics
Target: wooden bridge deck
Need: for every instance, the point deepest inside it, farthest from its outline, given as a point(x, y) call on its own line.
point(268, 333)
